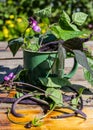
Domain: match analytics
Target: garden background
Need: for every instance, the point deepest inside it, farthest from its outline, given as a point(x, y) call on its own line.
point(14, 13)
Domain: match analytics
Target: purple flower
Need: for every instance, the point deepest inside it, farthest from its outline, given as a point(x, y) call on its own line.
point(33, 23)
point(36, 28)
point(6, 78)
point(9, 77)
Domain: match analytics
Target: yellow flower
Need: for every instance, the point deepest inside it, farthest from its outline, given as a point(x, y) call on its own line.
point(28, 30)
point(11, 16)
point(43, 27)
point(8, 22)
point(11, 25)
point(5, 32)
point(19, 20)
point(43, 31)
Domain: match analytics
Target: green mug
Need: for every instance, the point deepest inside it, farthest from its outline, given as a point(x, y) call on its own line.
point(42, 64)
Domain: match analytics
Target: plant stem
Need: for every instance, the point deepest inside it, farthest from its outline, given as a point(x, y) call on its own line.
point(29, 85)
point(48, 112)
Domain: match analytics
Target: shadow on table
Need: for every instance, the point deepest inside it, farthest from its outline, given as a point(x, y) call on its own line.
point(77, 87)
point(6, 70)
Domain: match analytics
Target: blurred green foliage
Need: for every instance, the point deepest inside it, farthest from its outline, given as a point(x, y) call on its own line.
point(13, 13)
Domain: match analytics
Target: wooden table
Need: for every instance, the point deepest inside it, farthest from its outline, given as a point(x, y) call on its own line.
point(8, 64)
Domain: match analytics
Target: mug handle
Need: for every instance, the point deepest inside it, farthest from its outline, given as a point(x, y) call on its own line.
point(73, 70)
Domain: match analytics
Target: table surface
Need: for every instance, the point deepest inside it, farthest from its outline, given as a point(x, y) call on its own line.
point(9, 64)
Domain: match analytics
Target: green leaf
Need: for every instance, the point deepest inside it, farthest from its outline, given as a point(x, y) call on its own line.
point(55, 95)
point(74, 27)
point(36, 122)
point(79, 18)
point(65, 34)
point(22, 75)
point(65, 17)
point(56, 30)
point(15, 44)
point(44, 12)
point(54, 82)
point(65, 24)
point(87, 74)
point(18, 95)
point(82, 60)
point(32, 43)
point(76, 100)
point(71, 34)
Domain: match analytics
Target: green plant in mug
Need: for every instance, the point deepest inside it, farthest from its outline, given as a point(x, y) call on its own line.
point(65, 32)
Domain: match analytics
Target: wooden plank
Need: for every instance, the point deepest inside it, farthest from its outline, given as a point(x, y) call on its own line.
point(6, 53)
point(71, 123)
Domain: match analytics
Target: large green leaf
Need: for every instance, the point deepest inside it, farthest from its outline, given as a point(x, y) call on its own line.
point(54, 82)
point(82, 60)
point(55, 95)
point(79, 18)
point(65, 34)
point(44, 12)
point(15, 44)
point(71, 34)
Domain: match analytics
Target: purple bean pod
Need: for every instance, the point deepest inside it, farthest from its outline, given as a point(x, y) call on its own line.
point(39, 101)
